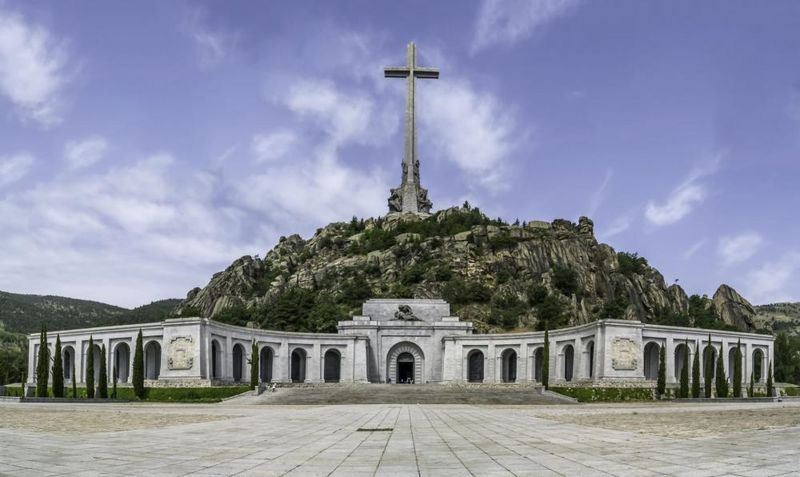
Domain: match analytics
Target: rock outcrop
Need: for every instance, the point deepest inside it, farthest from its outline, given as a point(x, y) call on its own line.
point(733, 309)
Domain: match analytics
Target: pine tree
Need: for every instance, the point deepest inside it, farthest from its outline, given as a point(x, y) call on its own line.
point(546, 360)
point(721, 381)
point(74, 381)
point(90, 369)
point(684, 390)
point(770, 389)
point(737, 370)
point(708, 367)
point(43, 365)
point(253, 365)
point(751, 389)
point(102, 385)
point(114, 384)
point(58, 370)
point(661, 386)
point(696, 374)
point(138, 368)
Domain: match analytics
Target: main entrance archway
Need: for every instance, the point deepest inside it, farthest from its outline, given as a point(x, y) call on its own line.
point(405, 364)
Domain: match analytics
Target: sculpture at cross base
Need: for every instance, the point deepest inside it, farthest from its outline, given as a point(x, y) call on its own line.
point(410, 197)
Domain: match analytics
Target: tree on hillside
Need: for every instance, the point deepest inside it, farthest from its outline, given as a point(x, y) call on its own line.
point(254, 365)
point(684, 389)
point(721, 381)
point(737, 370)
point(696, 373)
point(42, 365)
point(770, 389)
point(58, 370)
point(138, 367)
point(90, 369)
point(102, 385)
point(661, 386)
point(708, 368)
point(546, 360)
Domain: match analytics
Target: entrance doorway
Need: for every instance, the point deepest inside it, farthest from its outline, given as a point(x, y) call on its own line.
point(405, 368)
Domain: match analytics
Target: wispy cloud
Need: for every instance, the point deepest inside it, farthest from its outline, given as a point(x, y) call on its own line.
point(738, 248)
point(273, 146)
point(84, 153)
point(683, 199)
point(694, 248)
point(509, 21)
point(619, 225)
point(33, 69)
point(599, 195)
point(14, 168)
point(212, 46)
point(771, 282)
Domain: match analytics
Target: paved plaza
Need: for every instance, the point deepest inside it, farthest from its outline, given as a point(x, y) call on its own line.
point(436, 440)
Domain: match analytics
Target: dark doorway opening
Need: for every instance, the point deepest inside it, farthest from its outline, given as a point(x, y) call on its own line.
point(405, 368)
point(475, 367)
point(332, 366)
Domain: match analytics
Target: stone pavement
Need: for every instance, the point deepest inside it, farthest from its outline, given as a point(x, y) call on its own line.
point(352, 440)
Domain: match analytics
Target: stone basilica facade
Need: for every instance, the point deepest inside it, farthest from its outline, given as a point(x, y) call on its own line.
point(403, 341)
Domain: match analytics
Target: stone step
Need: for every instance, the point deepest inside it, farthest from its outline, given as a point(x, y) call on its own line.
point(322, 394)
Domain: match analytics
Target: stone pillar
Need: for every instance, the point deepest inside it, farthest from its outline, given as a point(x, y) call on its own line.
point(360, 372)
point(490, 371)
point(227, 359)
point(282, 363)
point(31, 362)
point(313, 365)
point(523, 375)
point(669, 360)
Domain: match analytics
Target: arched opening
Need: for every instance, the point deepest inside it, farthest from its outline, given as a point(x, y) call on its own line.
point(709, 361)
point(411, 364)
point(680, 352)
point(475, 366)
point(68, 360)
point(333, 364)
point(152, 360)
point(569, 359)
point(509, 373)
point(122, 360)
point(238, 362)
point(589, 371)
point(538, 364)
point(298, 371)
point(731, 363)
point(216, 360)
point(265, 364)
point(758, 365)
point(651, 352)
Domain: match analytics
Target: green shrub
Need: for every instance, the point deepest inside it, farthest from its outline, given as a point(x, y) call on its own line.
point(606, 394)
point(791, 391)
point(13, 391)
point(631, 264)
point(565, 280)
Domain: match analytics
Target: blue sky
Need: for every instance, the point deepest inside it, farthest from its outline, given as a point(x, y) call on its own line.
point(145, 145)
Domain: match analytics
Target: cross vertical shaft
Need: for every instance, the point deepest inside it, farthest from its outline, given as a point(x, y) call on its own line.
point(410, 196)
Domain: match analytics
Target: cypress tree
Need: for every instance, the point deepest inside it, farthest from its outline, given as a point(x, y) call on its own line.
point(546, 360)
point(138, 367)
point(253, 365)
point(708, 367)
point(102, 385)
point(737, 370)
point(43, 365)
point(90, 369)
point(58, 370)
point(721, 381)
point(770, 389)
point(696, 373)
point(661, 386)
point(751, 389)
point(114, 384)
point(684, 389)
point(74, 381)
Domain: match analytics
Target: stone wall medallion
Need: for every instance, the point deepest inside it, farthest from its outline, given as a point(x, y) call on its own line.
point(624, 354)
point(181, 353)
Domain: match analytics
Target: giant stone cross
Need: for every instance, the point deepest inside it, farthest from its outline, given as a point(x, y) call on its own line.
point(410, 196)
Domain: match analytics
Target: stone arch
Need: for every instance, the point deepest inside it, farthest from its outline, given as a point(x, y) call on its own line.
point(265, 361)
point(298, 365)
point(651, 358)
point(538, 363)
point(589, 361)
point(216, 360)
point(332, 371)
point(680, 351)
point(122, 362)
point(68, 359)
point(758, 366)
point(418, 361)
point(509, 363)
point(152, 360)
point(569, 361)
point(709, 360)
point(475, 360)
point(239, 358)
point(731, 363)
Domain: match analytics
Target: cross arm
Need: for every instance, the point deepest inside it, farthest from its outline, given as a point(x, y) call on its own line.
point(430, 73)
point(395, 72)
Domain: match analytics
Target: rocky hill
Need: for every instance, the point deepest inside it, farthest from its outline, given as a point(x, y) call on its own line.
point(779, 317)
point(500, 276)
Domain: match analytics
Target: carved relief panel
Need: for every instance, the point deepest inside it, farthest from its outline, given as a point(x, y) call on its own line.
point(624, 354)
point(181, 352)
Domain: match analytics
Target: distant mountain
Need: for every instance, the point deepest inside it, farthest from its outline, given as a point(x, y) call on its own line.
point(779, 317)
point(27, 313)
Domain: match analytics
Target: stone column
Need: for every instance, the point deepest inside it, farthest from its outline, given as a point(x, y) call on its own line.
point(669, 360)
point(282, 363)
point(490, 372)
point(748, 363)
point(523, 376)
point(227, 358)
point(313, 364)
point(360, 372)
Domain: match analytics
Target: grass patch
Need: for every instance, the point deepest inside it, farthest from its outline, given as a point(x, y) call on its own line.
point(606, 394)
point(198, 395)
